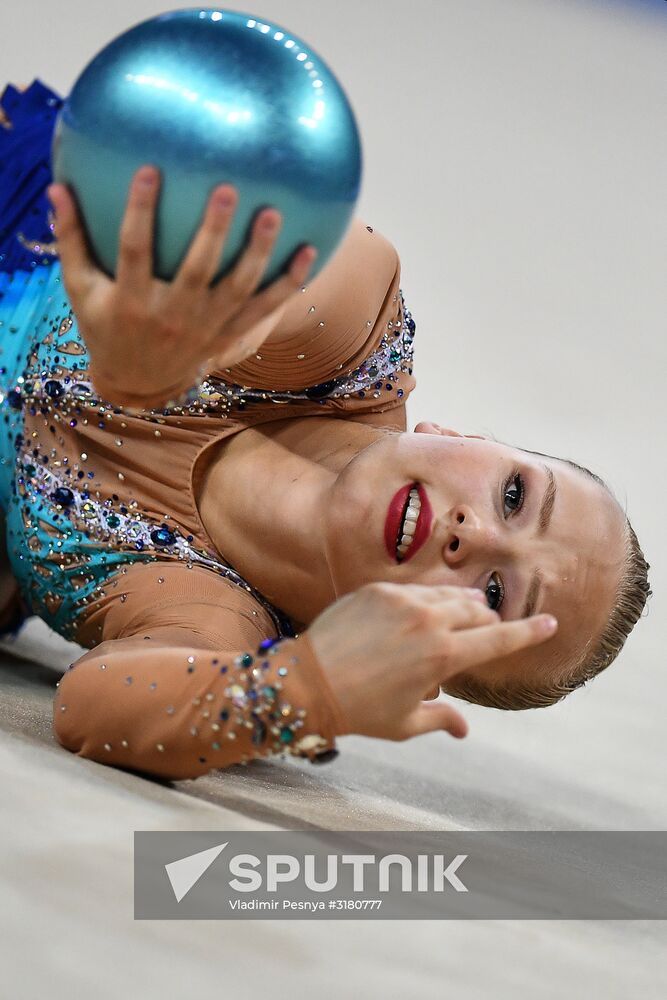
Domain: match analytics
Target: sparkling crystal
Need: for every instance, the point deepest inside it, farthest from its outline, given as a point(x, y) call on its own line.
point(63, 496)
point(163, 536)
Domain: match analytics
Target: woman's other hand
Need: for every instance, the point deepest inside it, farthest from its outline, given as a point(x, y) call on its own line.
point(387, 646)
point(149, 340)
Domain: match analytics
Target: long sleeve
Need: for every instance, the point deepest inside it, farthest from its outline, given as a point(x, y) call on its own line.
point(191, 682)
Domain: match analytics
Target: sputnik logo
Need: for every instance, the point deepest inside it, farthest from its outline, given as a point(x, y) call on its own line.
point(186, 872)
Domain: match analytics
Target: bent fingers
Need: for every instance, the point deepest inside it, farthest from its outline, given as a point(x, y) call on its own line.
point(429, 718)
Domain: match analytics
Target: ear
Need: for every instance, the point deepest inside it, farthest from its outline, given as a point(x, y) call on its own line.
point(427, 427)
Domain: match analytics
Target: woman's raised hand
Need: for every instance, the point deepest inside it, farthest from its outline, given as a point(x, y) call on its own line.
point(148, 339)
point(387, 646)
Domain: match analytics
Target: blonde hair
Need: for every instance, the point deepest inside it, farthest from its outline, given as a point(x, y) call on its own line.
point(629, 602)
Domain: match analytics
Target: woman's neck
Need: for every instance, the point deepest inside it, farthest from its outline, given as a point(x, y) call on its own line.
point(263, 503)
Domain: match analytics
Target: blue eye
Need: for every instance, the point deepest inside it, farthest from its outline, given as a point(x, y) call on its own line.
point(514, 492)
point(495, 592)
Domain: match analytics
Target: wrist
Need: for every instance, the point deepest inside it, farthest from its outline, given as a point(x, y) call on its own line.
point(304, 684)
point(333, 716)
point(181, 393)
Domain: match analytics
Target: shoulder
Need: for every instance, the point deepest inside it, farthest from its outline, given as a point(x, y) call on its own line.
point(354, 281)
point(349, 312)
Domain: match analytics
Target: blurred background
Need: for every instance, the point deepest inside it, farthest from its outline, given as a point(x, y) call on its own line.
point(515, 155)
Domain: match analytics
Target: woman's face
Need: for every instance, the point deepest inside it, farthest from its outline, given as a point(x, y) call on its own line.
point(533, 533)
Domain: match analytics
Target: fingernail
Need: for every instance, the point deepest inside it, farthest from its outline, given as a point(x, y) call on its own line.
point(147, 178)
point(549, 624)
point(306, 258)
point(224, 199)
point(269, 223)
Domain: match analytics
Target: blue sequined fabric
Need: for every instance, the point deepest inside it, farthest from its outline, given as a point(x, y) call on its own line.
point(26, 242)
point(26, 235)
point(65, 539)
point(26, 231)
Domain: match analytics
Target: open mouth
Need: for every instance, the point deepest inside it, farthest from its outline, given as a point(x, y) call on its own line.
point(408, 522)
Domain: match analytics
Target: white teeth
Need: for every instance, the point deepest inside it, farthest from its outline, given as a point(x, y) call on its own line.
point(409, 523)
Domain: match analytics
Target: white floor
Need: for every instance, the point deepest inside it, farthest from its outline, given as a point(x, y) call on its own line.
point(515, 154)
point(67, 855)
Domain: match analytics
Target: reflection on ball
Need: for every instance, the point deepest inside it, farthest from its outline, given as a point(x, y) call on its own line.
point(211, 97)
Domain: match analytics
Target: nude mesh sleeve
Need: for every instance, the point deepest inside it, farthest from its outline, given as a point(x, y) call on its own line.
point(187, 679)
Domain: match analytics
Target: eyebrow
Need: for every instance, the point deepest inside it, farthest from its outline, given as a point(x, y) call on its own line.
point(543, 519)
point(533, 592)
point(548, 500)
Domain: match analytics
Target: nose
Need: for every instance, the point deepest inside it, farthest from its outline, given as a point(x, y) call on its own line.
point(468, 536)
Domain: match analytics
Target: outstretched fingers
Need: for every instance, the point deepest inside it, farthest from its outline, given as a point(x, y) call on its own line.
point(270, 300)
point(469, 647)
point(466, 613)
point(77, 264)
point(232, 292)
point(134, 269)
point(203, 257)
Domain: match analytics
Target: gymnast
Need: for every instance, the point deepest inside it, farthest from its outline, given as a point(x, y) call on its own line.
point(212, 490)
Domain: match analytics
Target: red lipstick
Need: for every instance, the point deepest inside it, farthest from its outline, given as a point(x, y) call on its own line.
point(394, 522)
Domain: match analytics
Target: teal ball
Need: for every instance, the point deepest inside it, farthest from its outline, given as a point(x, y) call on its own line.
point(211, 97)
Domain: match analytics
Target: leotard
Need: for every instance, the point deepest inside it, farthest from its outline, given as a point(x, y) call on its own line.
point(103, 530)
